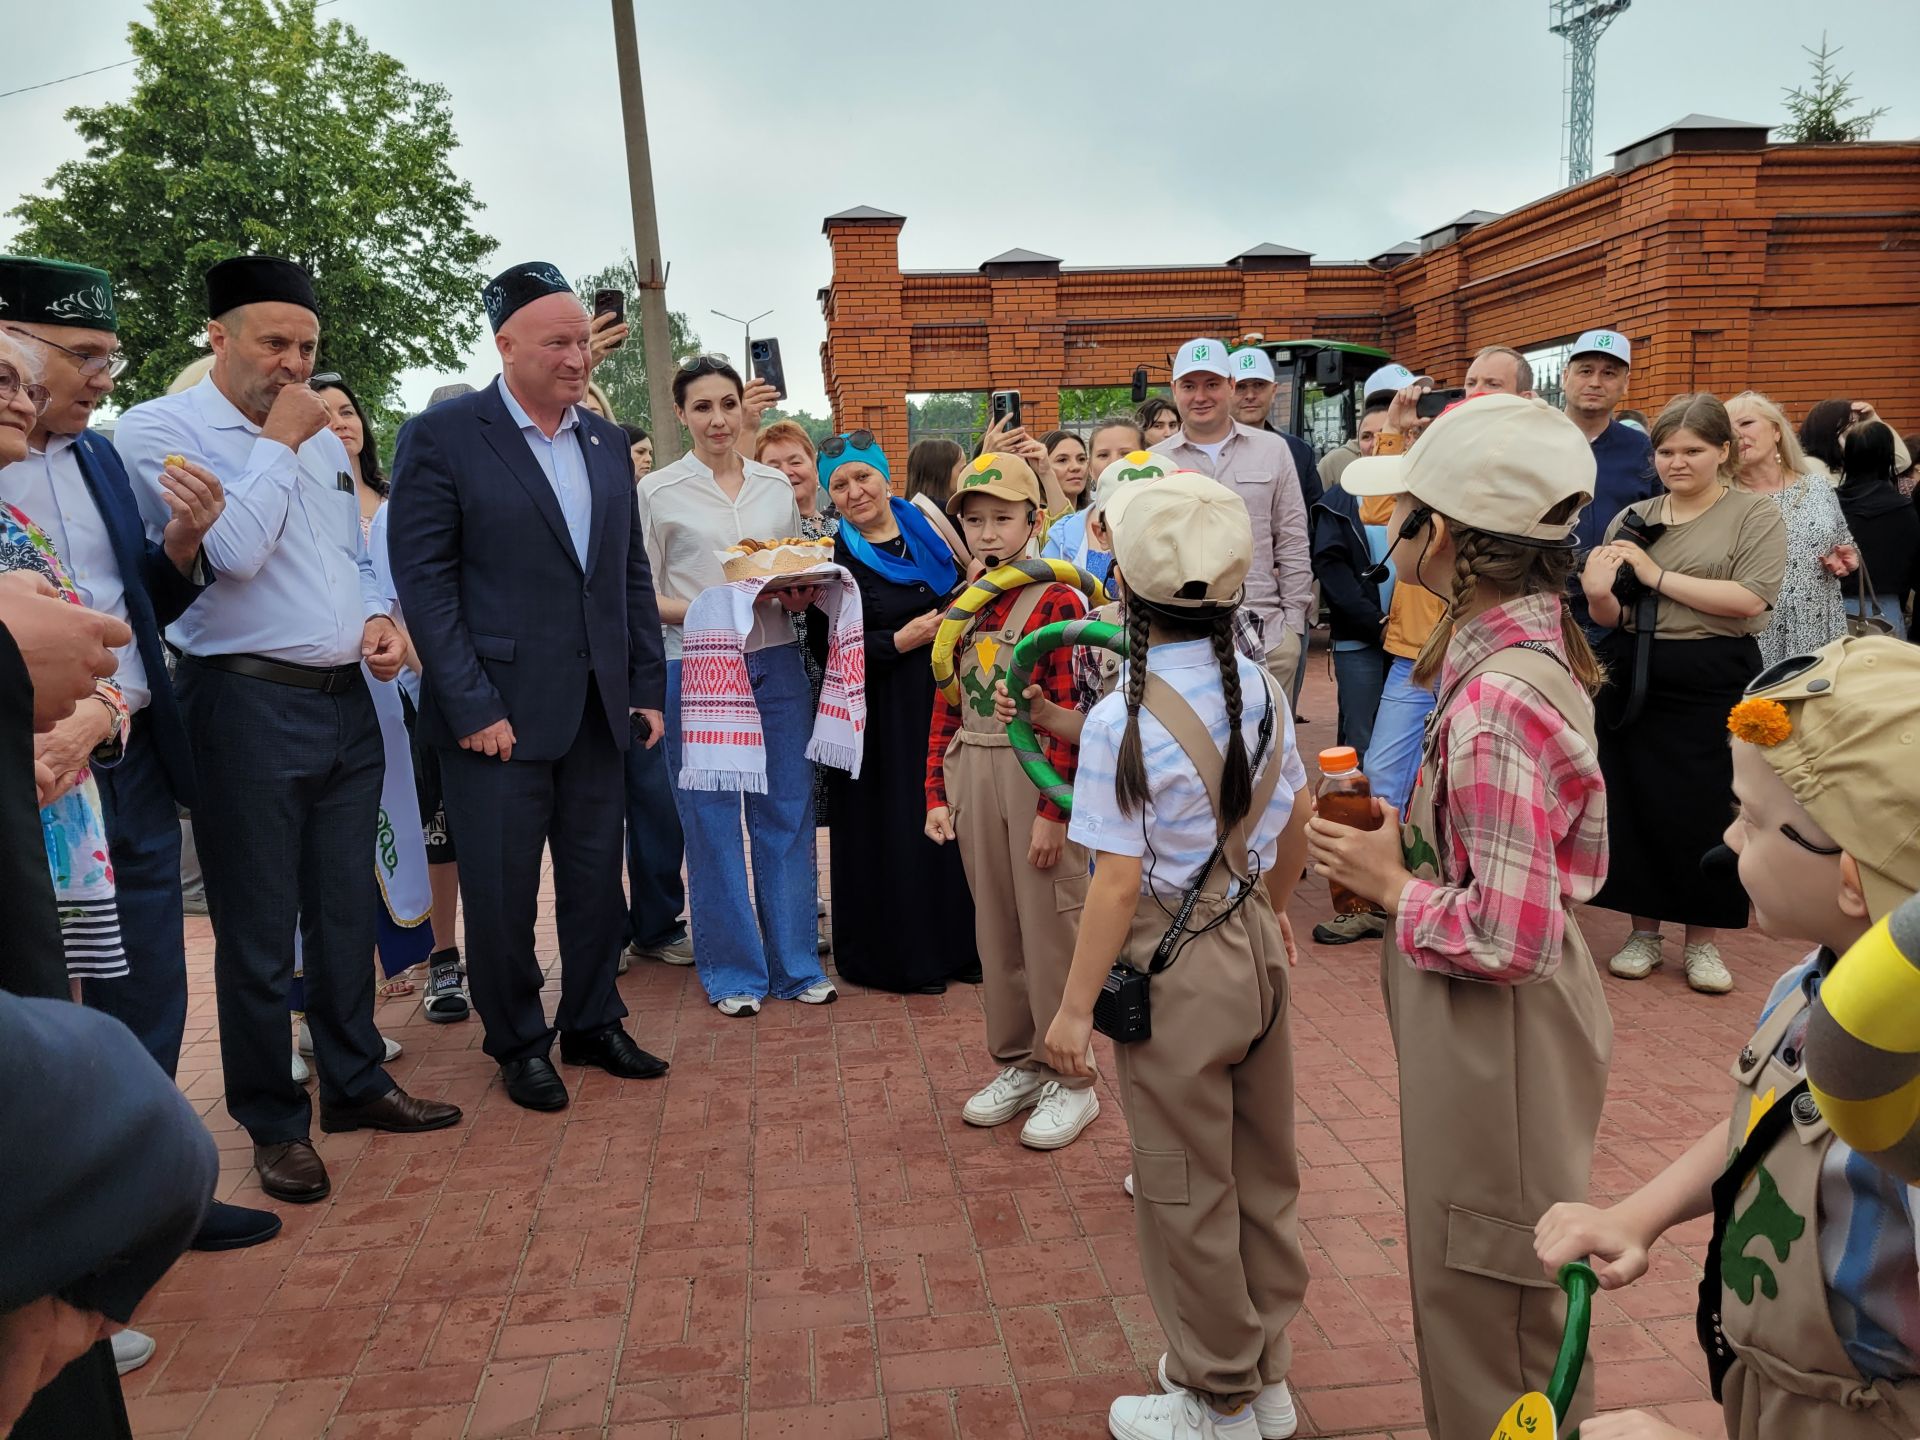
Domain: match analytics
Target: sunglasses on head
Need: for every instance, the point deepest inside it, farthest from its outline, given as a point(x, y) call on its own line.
point(12, 384)
point(114, 362)
point(834, 446)
point(705, 364)
point(322, 381)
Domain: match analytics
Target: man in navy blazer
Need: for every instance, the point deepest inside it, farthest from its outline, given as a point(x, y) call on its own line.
point(515, 541)
point(73, 485)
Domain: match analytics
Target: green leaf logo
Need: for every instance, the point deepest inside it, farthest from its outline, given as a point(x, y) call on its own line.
point(1145, 472)
point(1201, 352)
point(983, 477)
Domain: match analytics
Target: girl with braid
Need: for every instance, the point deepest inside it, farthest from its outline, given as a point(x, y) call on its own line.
point(1494, 1002)
point(1191, 790)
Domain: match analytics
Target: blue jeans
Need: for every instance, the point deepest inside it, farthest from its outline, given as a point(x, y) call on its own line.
point(1887, 607)
point(764, 943)
point(1393, 754)
point(1358, 676)
point(655, 848)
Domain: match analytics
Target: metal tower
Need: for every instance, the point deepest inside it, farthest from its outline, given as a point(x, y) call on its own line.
point(1580, 23)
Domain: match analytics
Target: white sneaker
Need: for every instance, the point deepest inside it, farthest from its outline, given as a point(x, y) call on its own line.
point(301, 1073)
point(392, 1047)
point(1638, 958)
point(1059, 1115)
point(1127, 1184)
point(1706, 971)
point(1273, 1411)
point(675, 952)
point(1005, 1096)
point(131, 1350)
point(1178, 1416)
point(821, 992)
point(737, 1005)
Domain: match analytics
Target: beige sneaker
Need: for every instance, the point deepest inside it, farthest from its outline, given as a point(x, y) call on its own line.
point(1706, 972)
point(1636, 959)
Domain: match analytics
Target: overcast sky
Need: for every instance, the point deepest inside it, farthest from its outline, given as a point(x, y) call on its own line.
point(1104, 133)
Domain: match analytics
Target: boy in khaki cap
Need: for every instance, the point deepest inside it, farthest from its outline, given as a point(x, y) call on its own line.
point(1028, 880)
point(1498, 1020)
point(1810, 1314)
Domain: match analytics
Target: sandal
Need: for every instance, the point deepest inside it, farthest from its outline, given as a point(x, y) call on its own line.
point(444, 1002)
point(399, 985)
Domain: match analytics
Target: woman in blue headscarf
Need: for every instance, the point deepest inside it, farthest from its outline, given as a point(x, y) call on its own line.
point(902, 915)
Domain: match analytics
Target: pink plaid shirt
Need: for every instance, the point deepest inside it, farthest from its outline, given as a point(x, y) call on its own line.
point(1521, 809)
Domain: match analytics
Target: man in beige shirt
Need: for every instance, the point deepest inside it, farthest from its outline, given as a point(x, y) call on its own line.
point(1256, 466)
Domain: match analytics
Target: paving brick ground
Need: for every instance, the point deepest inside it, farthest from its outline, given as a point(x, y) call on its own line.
point(795, 1235)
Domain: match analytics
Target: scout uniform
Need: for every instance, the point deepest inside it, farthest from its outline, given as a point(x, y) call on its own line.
point(1209, 1093)
point(1502, 1073)
point(1805, 1232)
point(1024, 919)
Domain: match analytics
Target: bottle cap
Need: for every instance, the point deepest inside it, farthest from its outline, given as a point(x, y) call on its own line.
point(1339, 757)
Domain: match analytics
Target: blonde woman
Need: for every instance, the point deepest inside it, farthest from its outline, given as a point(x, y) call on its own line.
point(1809, 612)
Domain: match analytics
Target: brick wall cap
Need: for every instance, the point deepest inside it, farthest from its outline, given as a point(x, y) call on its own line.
point(1695, 121)
point(861, 215)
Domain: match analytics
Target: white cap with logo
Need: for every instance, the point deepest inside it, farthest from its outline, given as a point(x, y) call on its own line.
point(1603, 342)
point(1251, 364)
point(1498, 463)
point(1202, 356)
point(1387, 378)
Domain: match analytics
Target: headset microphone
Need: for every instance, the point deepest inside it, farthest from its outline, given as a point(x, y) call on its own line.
point(1375, 574)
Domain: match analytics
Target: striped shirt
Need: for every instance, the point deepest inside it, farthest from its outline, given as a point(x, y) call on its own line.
point(1177, 824)
point(1868, 1251)
point(1522, 814)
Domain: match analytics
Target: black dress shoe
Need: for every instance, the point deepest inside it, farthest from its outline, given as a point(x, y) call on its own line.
point(613, 1050)
point(970, 976)
point(234, 1227)
point(939, 987)
point(396, 1111)
point(292, 1171)
point(534, 1084)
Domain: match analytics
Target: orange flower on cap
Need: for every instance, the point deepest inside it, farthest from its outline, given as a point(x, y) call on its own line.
point(1760, 722)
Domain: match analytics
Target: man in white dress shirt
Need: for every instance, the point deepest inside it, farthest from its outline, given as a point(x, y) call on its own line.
point(286, 745)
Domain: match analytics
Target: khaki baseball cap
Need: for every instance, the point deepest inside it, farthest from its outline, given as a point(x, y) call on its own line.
point(1001, 473)
point(1499, 463)
point(1845, 737)
point(1183, 542)
point(1134, 465)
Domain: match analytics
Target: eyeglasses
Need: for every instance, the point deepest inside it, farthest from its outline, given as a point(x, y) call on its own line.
point(12, 384)
point(114, 362)
point(321, 382)
point(835, 446)
point(703, 364)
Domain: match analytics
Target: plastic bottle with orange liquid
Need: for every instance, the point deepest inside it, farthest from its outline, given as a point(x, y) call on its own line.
point(1346, 798)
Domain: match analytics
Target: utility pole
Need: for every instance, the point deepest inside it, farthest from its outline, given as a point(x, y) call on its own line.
point(746, 355)
point(655, 328)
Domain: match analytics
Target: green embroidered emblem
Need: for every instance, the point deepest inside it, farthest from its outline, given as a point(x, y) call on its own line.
point(383, 837)
point(982, 477)
point(1419, 852)
point(1768, 1218)
point(1145, 472)
point(979, 687)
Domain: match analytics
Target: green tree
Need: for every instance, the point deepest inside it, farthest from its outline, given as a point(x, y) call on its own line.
point(1079, 409)
point(958, 415)
point(1819, 113)
point(253, 128)
point(817, 427)
point(623, 374)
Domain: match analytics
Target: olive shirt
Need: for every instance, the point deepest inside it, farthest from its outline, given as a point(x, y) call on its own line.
point(1741, 538)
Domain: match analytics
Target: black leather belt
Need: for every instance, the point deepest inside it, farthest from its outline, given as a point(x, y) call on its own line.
point(327, 679)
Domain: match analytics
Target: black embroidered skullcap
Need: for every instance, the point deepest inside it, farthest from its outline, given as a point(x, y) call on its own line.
point(34, 291)
point(521, 285)
point(256, 280)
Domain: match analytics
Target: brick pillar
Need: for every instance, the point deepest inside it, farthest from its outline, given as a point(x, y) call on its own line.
point(867, 353)
point(1026, 341)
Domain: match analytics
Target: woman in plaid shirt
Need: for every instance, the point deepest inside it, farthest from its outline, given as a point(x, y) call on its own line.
point(1495, 1004)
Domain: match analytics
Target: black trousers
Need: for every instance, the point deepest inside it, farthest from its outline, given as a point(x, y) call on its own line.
point(504, 814)
point(143, 828)
point(289, 783)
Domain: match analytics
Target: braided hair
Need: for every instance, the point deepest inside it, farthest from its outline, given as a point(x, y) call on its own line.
point(1130, 777)
point(1513, 569)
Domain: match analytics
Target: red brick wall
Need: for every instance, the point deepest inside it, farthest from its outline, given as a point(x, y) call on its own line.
point(1794, 270)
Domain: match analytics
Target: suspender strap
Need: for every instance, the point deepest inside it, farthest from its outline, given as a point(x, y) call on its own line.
point(1726, 1192)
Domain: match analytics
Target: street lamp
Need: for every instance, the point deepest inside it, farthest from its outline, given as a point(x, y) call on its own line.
point(747, 325)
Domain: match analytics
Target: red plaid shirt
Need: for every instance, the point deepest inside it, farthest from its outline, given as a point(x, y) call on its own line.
point(1054, 674)
point(1523, 815)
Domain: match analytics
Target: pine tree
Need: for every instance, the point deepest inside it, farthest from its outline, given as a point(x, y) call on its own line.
point(1819, 113)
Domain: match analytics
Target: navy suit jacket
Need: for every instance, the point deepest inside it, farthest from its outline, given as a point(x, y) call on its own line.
point(157, 594)
point(507, 621)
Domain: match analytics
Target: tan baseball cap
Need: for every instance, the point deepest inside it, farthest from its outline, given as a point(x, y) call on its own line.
point(1849, 750)
point(1497, 462)
point(1134, 465)
point(1000, 473)
point(1184, 541)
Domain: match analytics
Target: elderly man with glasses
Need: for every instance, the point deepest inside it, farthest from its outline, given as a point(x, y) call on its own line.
point(74, 487)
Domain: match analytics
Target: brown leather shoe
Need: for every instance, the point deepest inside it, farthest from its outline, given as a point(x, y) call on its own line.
point(396, 1111)
point(292, 1171)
